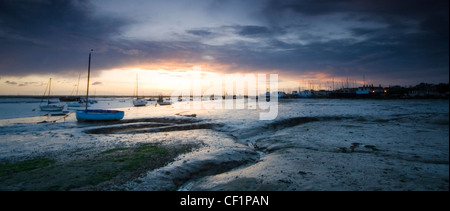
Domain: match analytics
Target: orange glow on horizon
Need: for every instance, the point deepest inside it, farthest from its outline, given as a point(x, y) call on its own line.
point(159, 78)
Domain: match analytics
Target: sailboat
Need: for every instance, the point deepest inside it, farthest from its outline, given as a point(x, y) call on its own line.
point(161, 101)
point(138, 101)
point(72, 98)
point(79, 102)
point(98, 114)
point(52, 104)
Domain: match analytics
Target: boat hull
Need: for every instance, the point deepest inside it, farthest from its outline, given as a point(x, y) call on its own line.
point(69, 99)
point(165, 103)
point(51, 107)
point(139, 102)
point(99, 115)
point(77, 104)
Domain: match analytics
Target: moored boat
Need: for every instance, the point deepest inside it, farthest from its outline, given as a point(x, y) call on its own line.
point(52, 104)
point(52, 107)
point(98, 114)
point(138, 101)
point(80, 103)
point(69, 98)
point(162, 101)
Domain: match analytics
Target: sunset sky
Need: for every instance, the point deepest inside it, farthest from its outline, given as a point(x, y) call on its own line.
point(303, 41)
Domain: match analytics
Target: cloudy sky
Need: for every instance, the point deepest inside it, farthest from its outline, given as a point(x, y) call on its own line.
point(387, 42)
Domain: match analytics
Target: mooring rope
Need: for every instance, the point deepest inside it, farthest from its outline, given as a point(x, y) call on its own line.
point(53, 121)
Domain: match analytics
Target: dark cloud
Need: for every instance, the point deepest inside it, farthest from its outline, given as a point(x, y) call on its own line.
point(32, 83)
point(10, 82)
point(406, 39)
point(202, 33)
point(97, 83)
point(252, 30)
point(27, 83)
point(436, 25)
point(401, 56)
point(50, 36)
point(411, 8)
point(359, 31)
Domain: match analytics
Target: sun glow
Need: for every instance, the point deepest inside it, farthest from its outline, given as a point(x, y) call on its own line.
point(150, 82)
point(155, 79)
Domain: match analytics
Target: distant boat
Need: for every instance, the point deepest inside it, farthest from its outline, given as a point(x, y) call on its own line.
point(78, 104)
point(162, 101)
point(92, 101)
point(165, 102)
point(52, 104)
point(99, 114)
point(138, 101)
point(72, 98)
point(69, 98)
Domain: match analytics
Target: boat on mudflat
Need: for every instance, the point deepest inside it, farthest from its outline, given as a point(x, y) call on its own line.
point(51, 104)
point(161, 101)
point(99, 115)
point(80, 103)
point(138, 101)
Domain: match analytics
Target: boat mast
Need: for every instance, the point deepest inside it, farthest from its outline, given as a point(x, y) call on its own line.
point(49, 88)
point(89, 73)
point(78, 84)
point(137, 87)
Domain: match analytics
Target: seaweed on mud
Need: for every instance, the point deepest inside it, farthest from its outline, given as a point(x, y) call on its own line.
point(441, 122)
point(354, 146)
point(372, 147)
point(117, 129)
point(382, 120)
point(361, 119)
point(152, 125)
point(172, 128)
point(291, 122)
point(113, 166)
point(26, 165)
point(302, 173)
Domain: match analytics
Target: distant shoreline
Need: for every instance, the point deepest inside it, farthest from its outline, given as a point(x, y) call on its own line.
point(283, 98)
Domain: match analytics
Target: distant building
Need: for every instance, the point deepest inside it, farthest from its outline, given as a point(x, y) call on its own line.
point(321, 93)
point(305, 94)
point(424, 90)
point(363, 91)
point(369, 90)
point(281, 94)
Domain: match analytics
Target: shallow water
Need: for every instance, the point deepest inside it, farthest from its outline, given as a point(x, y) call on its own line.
point(313, 144)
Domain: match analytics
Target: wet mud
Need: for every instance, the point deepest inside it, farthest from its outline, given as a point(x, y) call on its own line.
point(338, 145)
